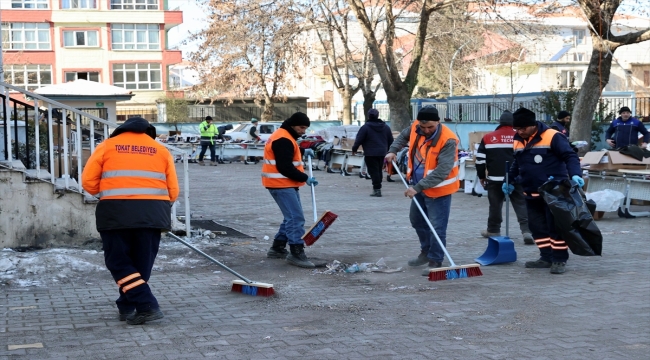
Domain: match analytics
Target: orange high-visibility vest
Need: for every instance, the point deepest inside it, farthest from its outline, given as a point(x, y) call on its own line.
point(131, 166)
point(430, 154)
point(271, 177)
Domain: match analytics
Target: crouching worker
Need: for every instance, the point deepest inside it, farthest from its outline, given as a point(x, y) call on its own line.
point(283, 174)
point(135, 179)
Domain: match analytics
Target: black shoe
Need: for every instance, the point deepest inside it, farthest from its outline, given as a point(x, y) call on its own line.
point(376, 193)
point(298, 258)
point(432, 265)
point(138, 318)
point(558, 268)
point(538, 264)
point(278, 250)
point(420, 260)
point(124, 315)
point(389, 179)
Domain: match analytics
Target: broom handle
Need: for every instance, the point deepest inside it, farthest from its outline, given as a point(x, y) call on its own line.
point(507, 203)
point(313, 192)
point(426, 218)
point(209, 257)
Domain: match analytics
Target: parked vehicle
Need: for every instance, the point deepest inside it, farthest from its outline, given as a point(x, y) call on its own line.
point(240, 132)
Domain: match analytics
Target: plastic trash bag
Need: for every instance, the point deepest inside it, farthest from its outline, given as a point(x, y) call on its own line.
point(606, 200)
point(573, 216)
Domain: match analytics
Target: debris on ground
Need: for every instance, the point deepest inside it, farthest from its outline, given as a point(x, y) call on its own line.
point(379, 266)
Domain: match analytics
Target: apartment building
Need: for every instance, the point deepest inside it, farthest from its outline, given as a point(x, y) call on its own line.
point(117, 42)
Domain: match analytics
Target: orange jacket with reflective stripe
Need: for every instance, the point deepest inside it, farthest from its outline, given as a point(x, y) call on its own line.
point(430, 155)
point(271, 177)
point(131, 166)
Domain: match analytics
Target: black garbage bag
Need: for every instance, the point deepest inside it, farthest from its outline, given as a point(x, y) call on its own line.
point(573, 217)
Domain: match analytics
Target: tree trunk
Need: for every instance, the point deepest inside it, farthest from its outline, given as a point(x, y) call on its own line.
point(347, 106)
point(400, 111)
point(589, 94)
point(368, 100)
point(267, 114)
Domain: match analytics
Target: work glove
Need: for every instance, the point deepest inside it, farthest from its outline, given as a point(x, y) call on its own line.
point(310, 153)
point(312, 181)
point(507, 188)
point(578, 179)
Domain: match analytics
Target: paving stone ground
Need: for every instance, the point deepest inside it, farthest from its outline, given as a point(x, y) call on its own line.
point(599, 309)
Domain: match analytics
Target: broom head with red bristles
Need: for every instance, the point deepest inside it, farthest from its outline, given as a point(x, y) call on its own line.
point(455, 272)
point(319, 227)
point(253, 288)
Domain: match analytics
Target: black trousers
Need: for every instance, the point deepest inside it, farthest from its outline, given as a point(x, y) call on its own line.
point(204, 146)
point(129, 255)
point(542, 225)
point(374, 164)
point(496, 197)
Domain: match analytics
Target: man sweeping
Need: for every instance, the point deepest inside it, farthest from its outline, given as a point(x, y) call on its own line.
point(283, 174)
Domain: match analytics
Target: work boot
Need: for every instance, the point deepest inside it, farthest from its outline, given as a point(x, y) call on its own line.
point(528, 239)
point(200, 162)
point(432, 265)
point(487, 234)
point(420, 260)
point(138, 318)
point(538, 264)
point(298, 258)
point(389, 179)
point(558, 268)
point(376, 193)
point(278, 250)
point(124, 315)
point(213, 163)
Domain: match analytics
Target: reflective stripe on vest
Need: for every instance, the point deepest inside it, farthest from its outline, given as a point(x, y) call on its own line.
point(134, 173)
point(272, 162)
point(133, 191)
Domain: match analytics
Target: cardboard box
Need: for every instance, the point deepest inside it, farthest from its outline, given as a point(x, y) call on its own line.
point(475, 140)
point(612, 160)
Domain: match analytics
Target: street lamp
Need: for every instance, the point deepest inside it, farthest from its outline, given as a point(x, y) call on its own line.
point(451, 64)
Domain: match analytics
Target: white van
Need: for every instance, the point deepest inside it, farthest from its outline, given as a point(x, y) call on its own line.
point(240, 132)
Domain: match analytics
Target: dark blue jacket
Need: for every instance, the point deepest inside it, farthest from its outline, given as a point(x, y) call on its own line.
point(627, 132)
point(560, 127)
point(547, 154)
point(375, 137)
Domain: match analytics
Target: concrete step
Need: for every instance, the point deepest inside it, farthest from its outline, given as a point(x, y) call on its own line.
point(61, 185)
point(13, 164)
point(38, 174)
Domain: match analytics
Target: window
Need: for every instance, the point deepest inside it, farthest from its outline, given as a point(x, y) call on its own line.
point(81, 38)
point(79, 4)
point(135, 37)
point(134, 4)
point(137, 76)
point(29, 4)
point(26, 36)
point(578, 57)
point(569, 78)
point(75, 75)
point(323, 60)
point(579, 36)
point(29, 77)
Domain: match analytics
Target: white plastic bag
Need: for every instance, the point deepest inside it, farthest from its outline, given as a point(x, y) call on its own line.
point(606, 200)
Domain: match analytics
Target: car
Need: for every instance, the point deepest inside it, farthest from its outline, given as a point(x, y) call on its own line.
point(240, 132)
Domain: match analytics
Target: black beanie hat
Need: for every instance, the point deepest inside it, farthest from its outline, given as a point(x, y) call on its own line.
point(298, 119)
point(562, 114)
point(506, 118)
point(523, 118)
point(428, 113)
point(208, 118)
point(624, 108)
point(373, 114)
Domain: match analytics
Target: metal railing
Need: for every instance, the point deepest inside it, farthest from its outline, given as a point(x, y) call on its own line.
point(58, 112)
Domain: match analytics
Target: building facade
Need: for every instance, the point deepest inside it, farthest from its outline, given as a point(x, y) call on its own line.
point(116, 42)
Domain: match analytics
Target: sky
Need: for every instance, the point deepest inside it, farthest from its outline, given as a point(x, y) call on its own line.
point(194, 19)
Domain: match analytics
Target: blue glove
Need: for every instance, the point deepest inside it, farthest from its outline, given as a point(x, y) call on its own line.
point(507, 188)
point(310, 153)
point(578, 179)
point(312, 181)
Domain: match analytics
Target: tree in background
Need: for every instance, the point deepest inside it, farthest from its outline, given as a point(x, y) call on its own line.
point(176, 110)
point(600, 16)
point(249, 49)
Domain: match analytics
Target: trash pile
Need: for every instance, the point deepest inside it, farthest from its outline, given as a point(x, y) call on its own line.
point(380, 266)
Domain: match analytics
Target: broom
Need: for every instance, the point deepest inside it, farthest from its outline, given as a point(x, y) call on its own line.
point(244, 285)
point(444, 273)
point(320, 224)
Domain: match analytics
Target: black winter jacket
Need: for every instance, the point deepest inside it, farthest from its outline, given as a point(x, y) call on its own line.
point(375, 137)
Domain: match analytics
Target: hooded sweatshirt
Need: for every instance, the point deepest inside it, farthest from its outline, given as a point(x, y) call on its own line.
point(375, 137)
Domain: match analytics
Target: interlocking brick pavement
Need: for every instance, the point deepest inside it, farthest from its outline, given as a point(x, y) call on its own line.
point(599, 309)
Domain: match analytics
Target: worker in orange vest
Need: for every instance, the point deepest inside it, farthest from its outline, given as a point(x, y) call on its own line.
point(433, 177)
point(135, 179)
point(283, 174)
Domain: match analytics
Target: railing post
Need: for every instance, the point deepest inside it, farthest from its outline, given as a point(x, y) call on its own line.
point(28, 159)
point(79, 146)
point(92, 136)
point(50, 139)
point(186, 193)
point(15, 116)
point(37, 142)
point(64, 122)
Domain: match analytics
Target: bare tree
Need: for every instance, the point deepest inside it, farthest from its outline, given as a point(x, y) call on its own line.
point(398, 90)
point(600, 15)
point(250, 49)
